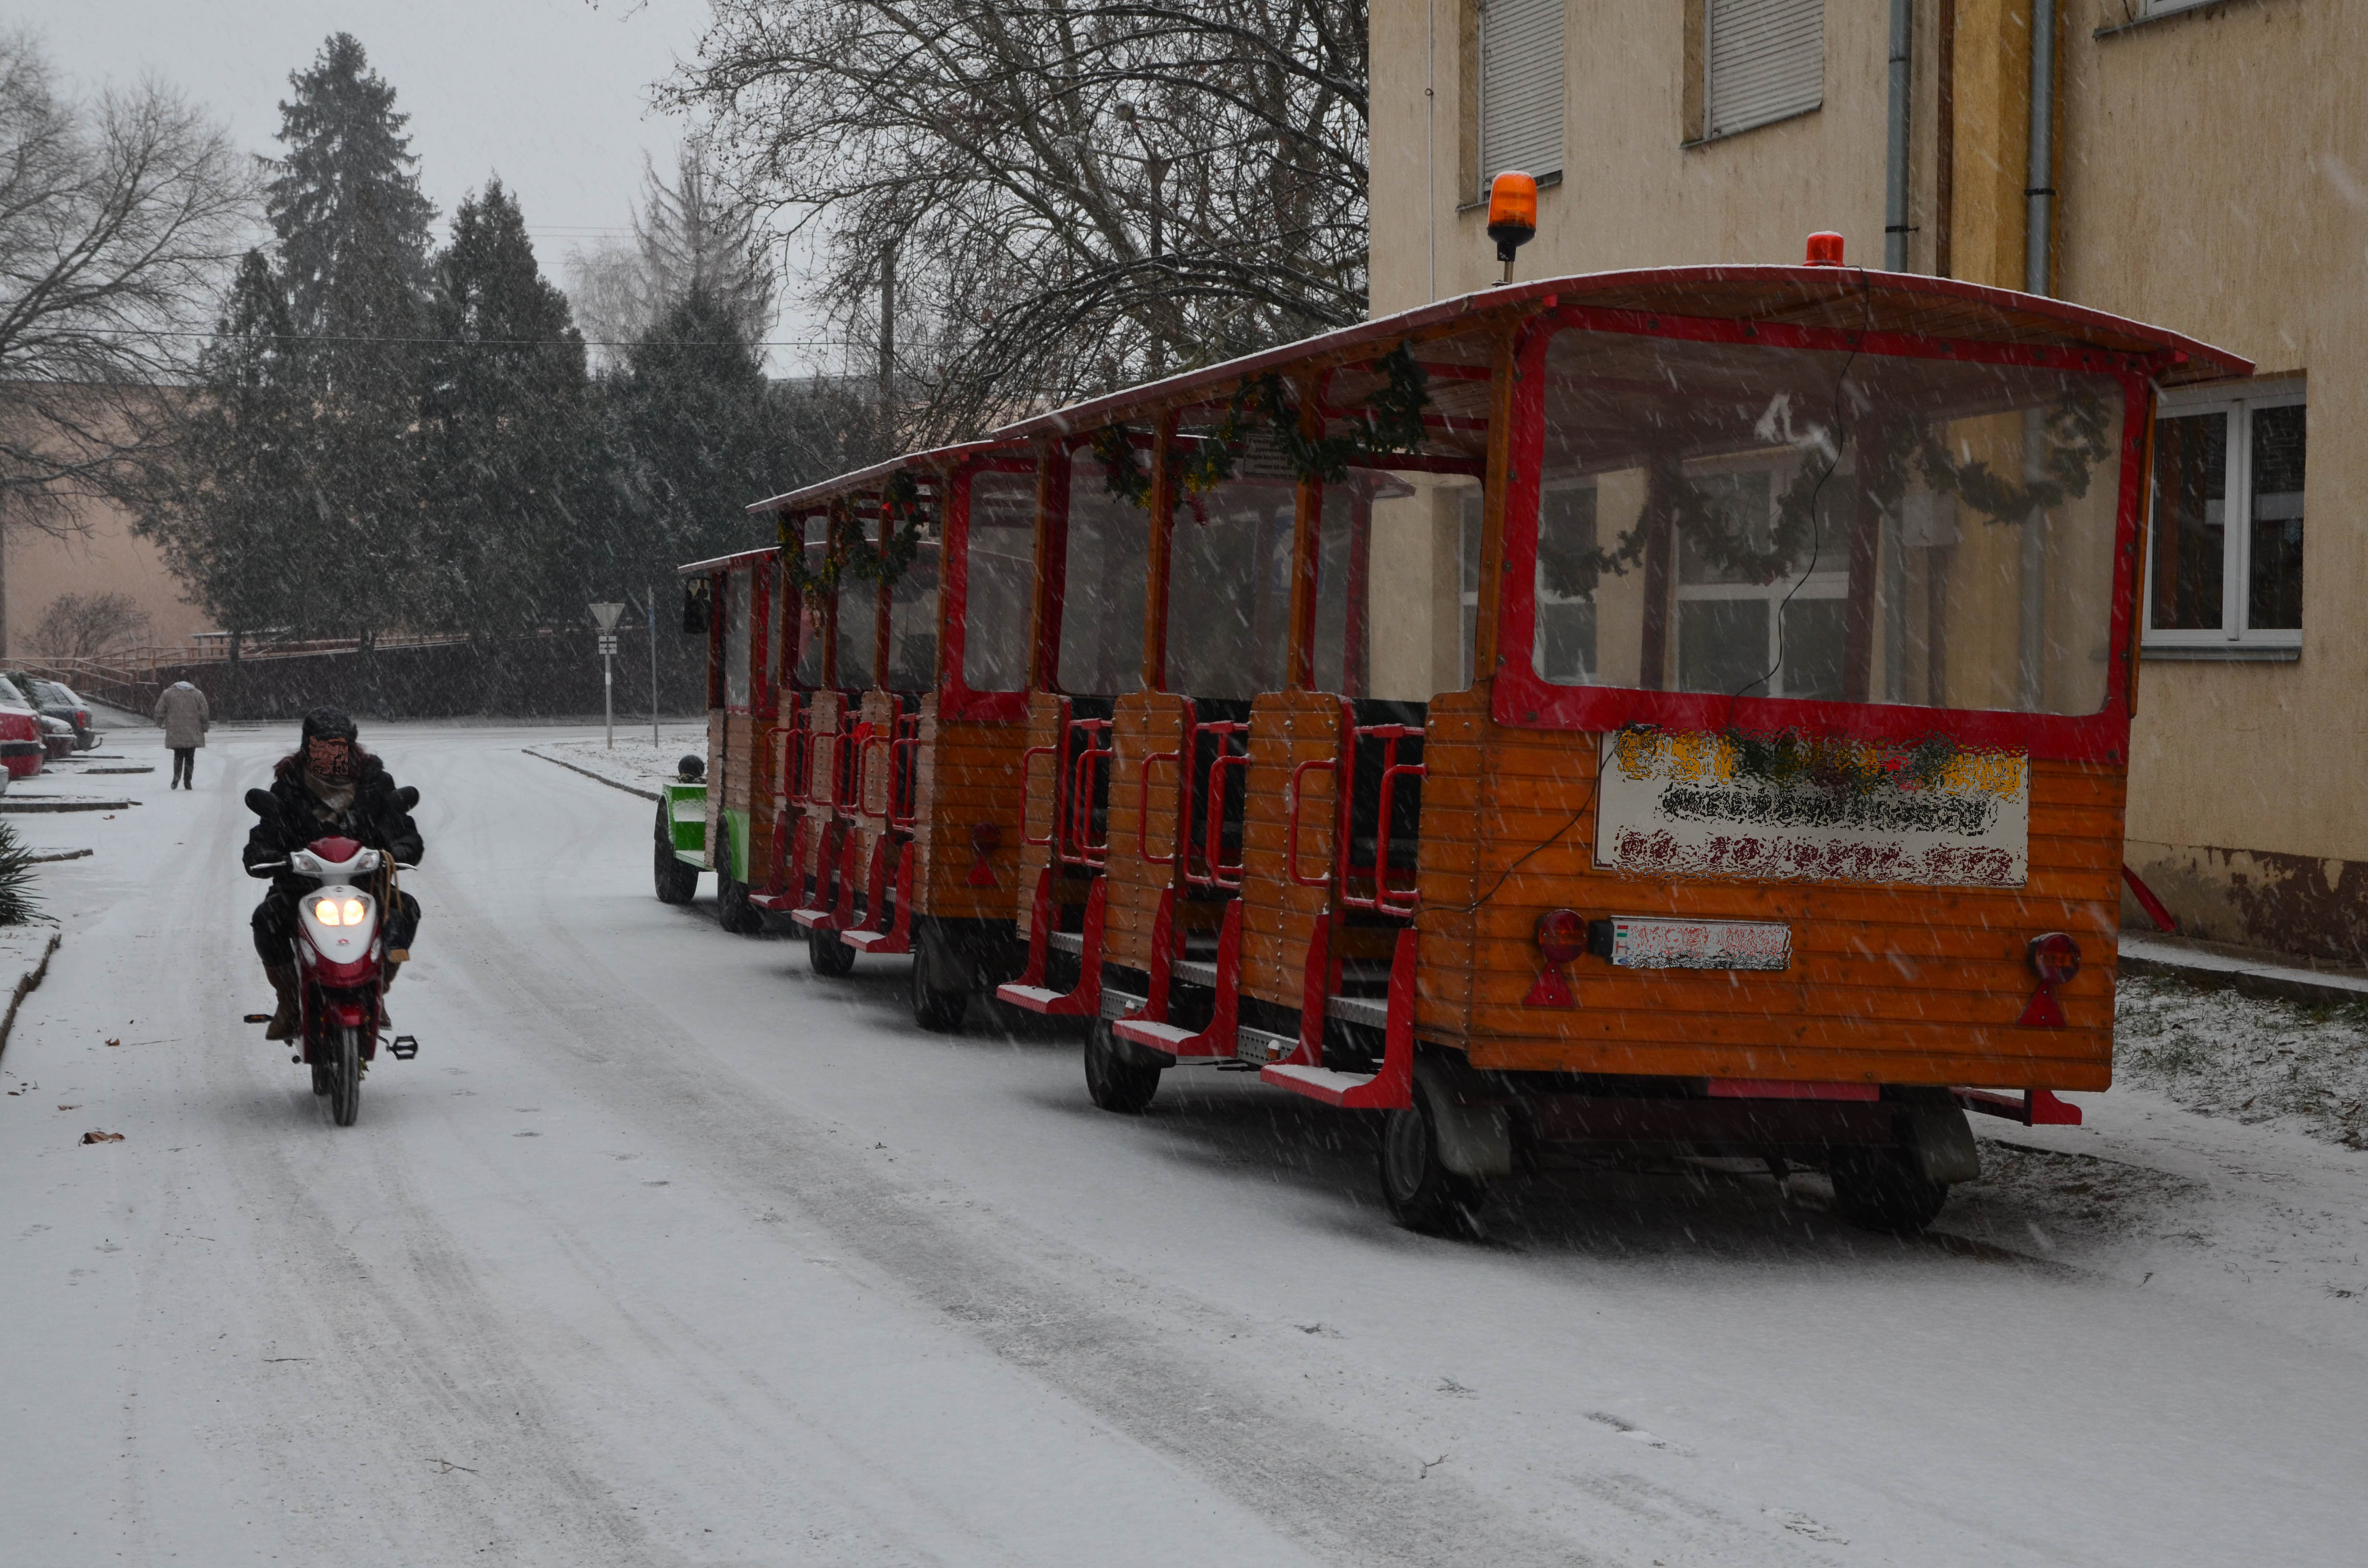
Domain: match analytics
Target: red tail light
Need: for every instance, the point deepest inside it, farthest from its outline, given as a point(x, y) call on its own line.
point(1561, 935)
point(2055, 958)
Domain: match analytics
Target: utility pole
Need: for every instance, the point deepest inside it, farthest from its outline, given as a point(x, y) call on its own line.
point(650, 596)
point(888, 349)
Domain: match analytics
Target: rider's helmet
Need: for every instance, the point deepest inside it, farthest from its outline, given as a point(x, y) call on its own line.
point(329, 742)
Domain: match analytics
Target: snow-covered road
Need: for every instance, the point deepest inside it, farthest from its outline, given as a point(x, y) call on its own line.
point(665, 1251)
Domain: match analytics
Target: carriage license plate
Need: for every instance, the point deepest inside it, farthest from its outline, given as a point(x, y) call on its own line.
point(1639, 943)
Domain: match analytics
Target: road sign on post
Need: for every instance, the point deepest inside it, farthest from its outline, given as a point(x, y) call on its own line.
point(606, 616)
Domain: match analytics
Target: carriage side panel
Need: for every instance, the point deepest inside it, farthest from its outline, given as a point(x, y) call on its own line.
point(1278, 915)
point(1043, 730)
point(967, 777)
point(1143, 724)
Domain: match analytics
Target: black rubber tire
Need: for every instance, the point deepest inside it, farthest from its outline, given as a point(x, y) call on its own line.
point(831, 958)
point(1421, 1193)
point(939, 1012)
point(346, 1075)
point(677, 883)
point(1879, 1189)
point(733, 910)
point(1115, 1082)
point(322, 1079)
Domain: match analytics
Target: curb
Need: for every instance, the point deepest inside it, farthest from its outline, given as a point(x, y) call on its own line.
point(2208, 971)
point(25, 985)
point(595, 778)
point(35, 804)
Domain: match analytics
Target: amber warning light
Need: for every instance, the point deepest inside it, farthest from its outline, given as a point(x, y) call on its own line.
point(1512, 215)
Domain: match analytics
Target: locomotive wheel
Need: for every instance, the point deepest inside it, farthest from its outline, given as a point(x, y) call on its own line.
point(1421, 1192)
point(1115, 1082)
point(1879, 1189)
point(676, 881)
point(831, 958)
point(733, 910)
point(939, 1012)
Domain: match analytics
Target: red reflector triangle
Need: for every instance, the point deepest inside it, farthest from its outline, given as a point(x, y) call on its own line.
point(1549, 991)
point(2043, 1012)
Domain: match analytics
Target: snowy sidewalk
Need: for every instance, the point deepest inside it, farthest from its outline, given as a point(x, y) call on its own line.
point(24, 959)
point(2255, 974)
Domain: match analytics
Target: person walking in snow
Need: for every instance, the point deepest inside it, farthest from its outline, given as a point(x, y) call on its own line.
point(182, 710)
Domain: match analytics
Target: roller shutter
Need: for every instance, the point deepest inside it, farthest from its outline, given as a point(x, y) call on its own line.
point(1764, 59)
point(1520, 87)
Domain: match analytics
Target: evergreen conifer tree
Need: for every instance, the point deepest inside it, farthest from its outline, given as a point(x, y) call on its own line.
point(352, 228)
point(503, 436)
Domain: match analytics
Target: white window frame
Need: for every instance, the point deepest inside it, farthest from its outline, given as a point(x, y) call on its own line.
point(1827, 579)
point(2232, 638)
point(2149, 9)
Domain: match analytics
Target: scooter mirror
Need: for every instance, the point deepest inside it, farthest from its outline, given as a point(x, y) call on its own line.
point(407, 797)
point(260, 803)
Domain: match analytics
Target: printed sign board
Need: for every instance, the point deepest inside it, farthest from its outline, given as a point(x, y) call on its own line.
point(1688, 803)
point(1653, 943)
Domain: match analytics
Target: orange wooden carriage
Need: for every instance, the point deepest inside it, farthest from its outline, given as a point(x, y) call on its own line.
point(1681, 711)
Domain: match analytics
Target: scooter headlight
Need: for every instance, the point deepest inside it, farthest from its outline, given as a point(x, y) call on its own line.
point(327, 913)
point(352, 910)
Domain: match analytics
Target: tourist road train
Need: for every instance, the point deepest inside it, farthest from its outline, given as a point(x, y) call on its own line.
point(1668, 713)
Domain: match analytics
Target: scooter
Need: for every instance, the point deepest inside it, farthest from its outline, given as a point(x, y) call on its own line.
point(341, 966)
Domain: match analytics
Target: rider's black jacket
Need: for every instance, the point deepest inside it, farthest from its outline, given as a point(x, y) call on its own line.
point(377, 818)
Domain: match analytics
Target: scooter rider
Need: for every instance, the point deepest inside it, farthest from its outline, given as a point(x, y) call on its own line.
point(328, 786)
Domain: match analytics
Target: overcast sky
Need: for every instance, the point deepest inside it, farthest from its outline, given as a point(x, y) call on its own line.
point(551, 95)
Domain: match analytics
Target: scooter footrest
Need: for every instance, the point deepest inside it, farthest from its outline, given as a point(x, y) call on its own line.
point(403, 1047)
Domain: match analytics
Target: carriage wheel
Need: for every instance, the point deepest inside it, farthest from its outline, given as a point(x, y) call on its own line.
point(1115, 1082)
point(831, 958)
point(1881, 1189)
point(678, 881)
point(1421, 1192)
point(733, 910)
point(939, 1012)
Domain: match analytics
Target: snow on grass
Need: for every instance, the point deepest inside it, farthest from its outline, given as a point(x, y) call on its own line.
point(632, 760)
point(2224, 1054)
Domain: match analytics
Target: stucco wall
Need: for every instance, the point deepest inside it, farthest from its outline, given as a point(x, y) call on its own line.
point(2213, 171)
point(107, 557)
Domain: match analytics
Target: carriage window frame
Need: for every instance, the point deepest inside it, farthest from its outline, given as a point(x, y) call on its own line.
point(1521, 699)
point(2233, 638)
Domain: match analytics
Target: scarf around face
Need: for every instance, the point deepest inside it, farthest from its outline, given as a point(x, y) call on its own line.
point(336, 795)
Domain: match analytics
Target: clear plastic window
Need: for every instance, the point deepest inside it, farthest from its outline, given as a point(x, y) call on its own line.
point(859, 631)
point(736, 596)
point(1101, 600)
point(1229, 588)
point(1423, 584)
point(1722, 518)
point(1002, 572)
point(913, 621)
point(811, 627)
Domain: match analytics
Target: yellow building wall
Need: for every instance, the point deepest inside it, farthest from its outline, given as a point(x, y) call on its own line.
point(103, 556)
point(2212, 176)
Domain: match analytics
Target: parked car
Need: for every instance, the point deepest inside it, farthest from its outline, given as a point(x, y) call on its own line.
point(23, 750)
point(58, 737)
point(57, 701)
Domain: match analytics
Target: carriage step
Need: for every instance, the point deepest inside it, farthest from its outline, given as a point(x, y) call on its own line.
point(875, 941)
point(814, 919)
point(1318, 1083)
point(1171, 1039)
point(1118, 1004)
point(773, 902)
point(1051, 1003)
point(1370, 1010)
point(1193, 972)
point(1070, 942)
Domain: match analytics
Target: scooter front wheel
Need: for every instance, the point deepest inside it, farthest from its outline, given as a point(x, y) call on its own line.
point(346, 1092)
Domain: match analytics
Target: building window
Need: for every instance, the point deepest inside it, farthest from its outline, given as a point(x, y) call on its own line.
point(1762, 60)
point(2221, 580)
point(1520, 88)
point(1780, 638)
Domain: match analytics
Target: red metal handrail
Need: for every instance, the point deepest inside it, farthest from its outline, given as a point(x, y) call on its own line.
point(863, 779)
point(1142, 812)
point(1385, 899)
point(1078, 847)
point(906, 784)
point(1215, 871)
point(797, 758)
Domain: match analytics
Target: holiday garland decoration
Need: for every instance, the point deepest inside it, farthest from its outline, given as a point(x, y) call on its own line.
point(903, 518)
point(1390, 422)
point(2075, 438)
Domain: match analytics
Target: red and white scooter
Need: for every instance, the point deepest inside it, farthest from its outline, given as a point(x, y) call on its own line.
point(341, 968)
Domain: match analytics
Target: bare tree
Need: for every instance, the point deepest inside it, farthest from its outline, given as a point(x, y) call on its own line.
point(1078, 192)
point(118, 215)
point(691, 235)
point(82, 626)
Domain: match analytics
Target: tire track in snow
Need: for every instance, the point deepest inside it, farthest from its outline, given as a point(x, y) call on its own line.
point(1339, 1494)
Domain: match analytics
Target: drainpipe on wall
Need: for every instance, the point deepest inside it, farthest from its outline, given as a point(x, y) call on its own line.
point(1894, 195)
point(2039, 214)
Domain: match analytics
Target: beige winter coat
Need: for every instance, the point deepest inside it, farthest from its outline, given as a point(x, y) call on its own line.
point(183, 712)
